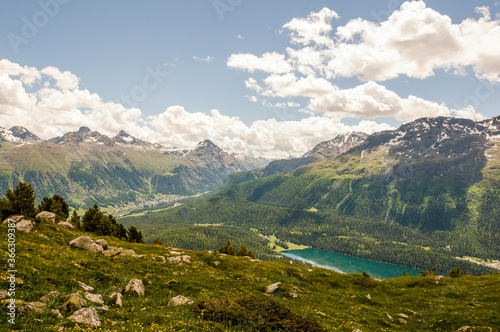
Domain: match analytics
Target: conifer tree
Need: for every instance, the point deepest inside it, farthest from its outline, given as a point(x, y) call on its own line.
point(22, 199)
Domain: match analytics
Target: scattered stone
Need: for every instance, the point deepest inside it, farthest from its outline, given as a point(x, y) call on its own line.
point(85, 287)
point(114, 251)
point(403, 315)
point(3, 294)
point(66, 225)
point(463, 329)
point(439, 277)
point(28, 307)
point(216, 263)
point(178, 300)
point(137, 256)
point(296, 289)
point(210, 252)
point(44, 236)
point(179, 259)
point(175, 253)
point(87, 316)
point(170, 282)
point(143, 309)
point(273, 287)
point(77, 265)
point(103, 308)
point(309, 270)
point(321, 313)
point(390, 317)
point(103, 243)
point(163, 259)
point(73, 302)
point(175, 273)
point(56, 312)
point(96, 298)
point(413, 312)
point(369, 297)
point(137, 286)
point(402, 321)
point(294, 295)
point(357, 330)
point(118, 301)
point(86, 243)
point(48, 216)
point(50, 295)
point(24, 225)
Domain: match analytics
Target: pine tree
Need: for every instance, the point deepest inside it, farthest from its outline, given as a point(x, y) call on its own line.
point(22, 199)
point(228, 249)
point(244, 252)
point(405, 273)
point(134, 235)
point(75, 219)
point(91, 219)
point(157, 242)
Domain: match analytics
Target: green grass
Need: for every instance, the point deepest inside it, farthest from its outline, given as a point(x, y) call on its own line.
point(235, 288)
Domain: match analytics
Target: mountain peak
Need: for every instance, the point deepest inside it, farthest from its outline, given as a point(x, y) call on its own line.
point(338, 145)
point(18, 135)
point(84, 130)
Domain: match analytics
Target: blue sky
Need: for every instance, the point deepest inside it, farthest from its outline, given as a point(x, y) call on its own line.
point(206, 54)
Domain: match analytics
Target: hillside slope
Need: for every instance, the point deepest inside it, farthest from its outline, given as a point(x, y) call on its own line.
point(228, 293)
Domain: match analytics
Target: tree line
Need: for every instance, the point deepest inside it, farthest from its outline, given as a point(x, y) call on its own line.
point(21, 201)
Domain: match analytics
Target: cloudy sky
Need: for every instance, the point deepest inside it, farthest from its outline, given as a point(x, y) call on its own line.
point(262, 78)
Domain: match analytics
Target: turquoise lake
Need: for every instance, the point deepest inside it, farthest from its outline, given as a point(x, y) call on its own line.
point(347, 264)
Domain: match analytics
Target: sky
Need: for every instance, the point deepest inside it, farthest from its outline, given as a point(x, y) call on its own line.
point(259, 78)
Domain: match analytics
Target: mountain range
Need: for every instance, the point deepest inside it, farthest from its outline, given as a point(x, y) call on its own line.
point(88, 167)
point(423, 193)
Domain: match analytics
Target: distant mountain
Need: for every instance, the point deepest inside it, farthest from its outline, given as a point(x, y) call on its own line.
point(328, 149)
point(336, 146)
point(88, 167)
point(250, 163)
point(18, 136)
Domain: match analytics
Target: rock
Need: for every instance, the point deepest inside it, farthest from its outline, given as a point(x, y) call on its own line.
point(178, 300)
point(163, 259)
point(57, 313)
point(321, 313)
point(85, 286)
point(96, 298)
point(73, 302)
point(439, 277)
point(66, 225)
point(87, 316)
point(118, 296)
point(114, 251)
point(50, 295)
point(137, 286)
point(390, 317)
point(369, 297)
point(175, 253)
point(29, 307)
point(86, 243)
point(463, 329)
point(357, 330)
point(402, 321)
point(403, 315)
point(103, 243)
point(137, 256)
point(273, 287)
point(24, 225)
point(15, 219)
point(294, 295)
point(186, 258)
point(48, 216)
point(216, 263)
point(3, 294)
point(103, 308)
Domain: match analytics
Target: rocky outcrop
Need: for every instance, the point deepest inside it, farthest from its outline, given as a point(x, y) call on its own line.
point(86, 243)
point(85, 286)
point(48, 216)
point(96, 298)
point(178, 300)
point(272, 288)
point(66, 225)
point(21, 224)
point(73, 302)
point(48, 296)
point(115, 251)
point(87, 316)
point(118, 296)
point(103, 243)
point(136, 285)
point(179, 259)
